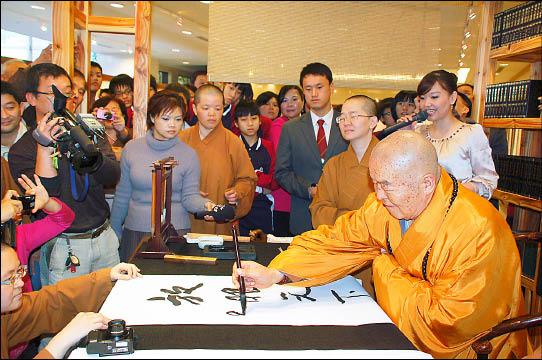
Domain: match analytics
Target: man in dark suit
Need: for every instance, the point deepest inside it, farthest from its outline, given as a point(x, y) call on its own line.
point(306, 143)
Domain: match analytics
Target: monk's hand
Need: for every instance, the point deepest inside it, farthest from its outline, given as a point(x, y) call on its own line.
point(231, 196)
point(255, 275)
point(80, 326)
point(124, 271)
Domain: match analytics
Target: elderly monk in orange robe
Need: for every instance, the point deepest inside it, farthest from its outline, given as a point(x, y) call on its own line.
point(445, 263)
point(64, 308)
point(227, 174)
point(345, 182)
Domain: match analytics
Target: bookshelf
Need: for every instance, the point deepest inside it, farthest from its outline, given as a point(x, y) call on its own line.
point(525, 134)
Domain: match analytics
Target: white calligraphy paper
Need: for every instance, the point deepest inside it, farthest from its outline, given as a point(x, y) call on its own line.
point(196, 299)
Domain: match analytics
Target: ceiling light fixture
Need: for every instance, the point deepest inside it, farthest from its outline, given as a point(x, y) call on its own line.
point(94, 42)
point(118, 6)
point(206, 2)
point(186, 62)
point(180, 21)
point(130, 51)
point(176, 50)
point(467, 35)
point(43, 28)
point(37, 7)
point(186, 32)
point(462, 55)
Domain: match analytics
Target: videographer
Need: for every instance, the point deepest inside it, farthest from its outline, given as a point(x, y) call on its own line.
point(67, 308)
point(89, 241)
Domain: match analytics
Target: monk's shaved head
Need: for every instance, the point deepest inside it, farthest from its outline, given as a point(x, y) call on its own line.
point(207, 89)
point(405, 172)
point(407, 153)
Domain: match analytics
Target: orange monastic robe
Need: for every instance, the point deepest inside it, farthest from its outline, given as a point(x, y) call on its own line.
point(344, 186)
point(50, 309)
point(224, 164)
point(473, 269)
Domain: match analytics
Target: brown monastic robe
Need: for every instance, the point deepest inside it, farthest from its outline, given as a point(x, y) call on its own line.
point(224, 164)
point(50, 309)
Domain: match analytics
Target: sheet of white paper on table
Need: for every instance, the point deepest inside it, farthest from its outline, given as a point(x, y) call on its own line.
point(277, 305)
point(80, 353)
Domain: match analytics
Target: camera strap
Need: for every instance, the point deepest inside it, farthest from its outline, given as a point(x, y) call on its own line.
point(75, 194)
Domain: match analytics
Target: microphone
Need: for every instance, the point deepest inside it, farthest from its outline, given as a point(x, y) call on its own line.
point(421, 116)
point(221, 213)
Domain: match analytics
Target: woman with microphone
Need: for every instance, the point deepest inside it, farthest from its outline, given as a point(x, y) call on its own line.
point(463, 149)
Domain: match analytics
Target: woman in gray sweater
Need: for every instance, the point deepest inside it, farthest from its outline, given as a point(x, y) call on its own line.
point(133, 197)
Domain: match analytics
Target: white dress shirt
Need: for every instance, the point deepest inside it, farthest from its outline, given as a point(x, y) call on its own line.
point(328, 121)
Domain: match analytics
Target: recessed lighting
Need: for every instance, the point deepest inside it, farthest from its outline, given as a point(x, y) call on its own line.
point(94, 42)
point(436, 49)
point(467, 35)
point(175, 50)
point(118, 6)
point(464, 47)
point(206, 2)
point(433, 28)
point(186, 32)
point(186, 62)
point(461, 63)
point(37, 7)
point(130, 51)
point(123, 50)
point(439, 65)
point(462, 55)
point(43, 28)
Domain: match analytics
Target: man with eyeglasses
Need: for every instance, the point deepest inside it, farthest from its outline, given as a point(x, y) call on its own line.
point(90, 237)
point(68, 308)
point(122, 86)
point(307, 143)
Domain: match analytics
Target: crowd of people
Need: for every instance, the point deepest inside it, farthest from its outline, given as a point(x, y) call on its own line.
point(408, 215)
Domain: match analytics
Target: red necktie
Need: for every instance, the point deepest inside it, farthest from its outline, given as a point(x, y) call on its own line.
point(321, 139)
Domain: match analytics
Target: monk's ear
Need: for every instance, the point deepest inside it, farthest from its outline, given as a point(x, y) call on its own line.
point(429, 183)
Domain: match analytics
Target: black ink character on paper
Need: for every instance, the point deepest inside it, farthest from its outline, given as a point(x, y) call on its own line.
point(299, 296)
point(175, 295)
point(341, 300)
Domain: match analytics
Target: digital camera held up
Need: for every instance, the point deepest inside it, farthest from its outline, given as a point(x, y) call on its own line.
point(75, 138)
point(116, 339)
point(28, 202)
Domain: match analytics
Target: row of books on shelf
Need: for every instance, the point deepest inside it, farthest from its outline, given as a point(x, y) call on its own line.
point(518, 99)
point(520, 175)
point(517, 23)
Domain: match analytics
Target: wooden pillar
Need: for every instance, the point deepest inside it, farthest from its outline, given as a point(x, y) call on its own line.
point(63, 29)
point(485, 70)
point(142, 63)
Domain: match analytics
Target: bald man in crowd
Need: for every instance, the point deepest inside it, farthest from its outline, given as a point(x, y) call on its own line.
point(442, 277)
point(10, 67)
point(227, 174)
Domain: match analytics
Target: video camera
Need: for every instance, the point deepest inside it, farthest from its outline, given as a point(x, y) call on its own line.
point(28, 202)
point(75, 138)
point(116, 339)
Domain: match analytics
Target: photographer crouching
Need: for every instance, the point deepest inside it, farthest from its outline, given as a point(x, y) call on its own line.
point(67, 308)
point(74, 169)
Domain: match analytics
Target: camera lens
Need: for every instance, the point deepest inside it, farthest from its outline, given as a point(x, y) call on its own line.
point(117, 328)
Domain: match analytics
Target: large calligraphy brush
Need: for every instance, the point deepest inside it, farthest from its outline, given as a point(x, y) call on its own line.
point(242, 289)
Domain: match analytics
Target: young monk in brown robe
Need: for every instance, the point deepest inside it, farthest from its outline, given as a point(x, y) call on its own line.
point(65, 307)
point(227, 175)
point(345, 182)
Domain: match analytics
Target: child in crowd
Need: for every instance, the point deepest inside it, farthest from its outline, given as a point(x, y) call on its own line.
point(262, 156)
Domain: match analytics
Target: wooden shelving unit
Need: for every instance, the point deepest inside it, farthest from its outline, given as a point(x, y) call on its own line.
point(524, 212)
point(528, 50)
point(514, 123)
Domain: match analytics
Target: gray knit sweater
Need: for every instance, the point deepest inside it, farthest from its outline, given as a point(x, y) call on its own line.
point(133, 197)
